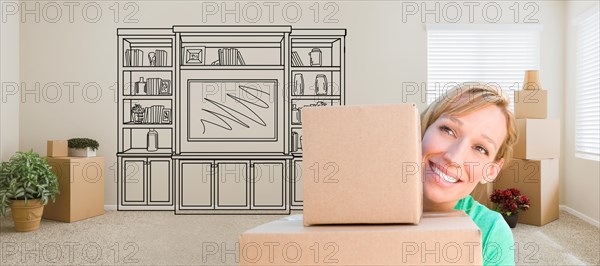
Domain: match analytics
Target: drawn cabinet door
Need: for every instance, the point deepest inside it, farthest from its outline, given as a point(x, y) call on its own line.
point(133, 182)
point(268, 185)
point(232, 185)
point(296, 183)
point(159, 181)
point(196, 188)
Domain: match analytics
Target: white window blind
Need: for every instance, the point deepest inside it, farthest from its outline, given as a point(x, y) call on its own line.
point(587, 110)
point(496, 54)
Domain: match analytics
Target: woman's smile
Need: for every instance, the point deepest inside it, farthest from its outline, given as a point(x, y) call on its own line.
point(443, 173)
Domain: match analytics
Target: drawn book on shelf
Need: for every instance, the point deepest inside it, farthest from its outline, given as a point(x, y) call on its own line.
point(160, 58)
point(296, 61)
point(153, 114)
point(153, 86)
point(229, 57)
point(134, 57)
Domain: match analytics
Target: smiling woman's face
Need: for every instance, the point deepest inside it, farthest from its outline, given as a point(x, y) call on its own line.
point(458, 153)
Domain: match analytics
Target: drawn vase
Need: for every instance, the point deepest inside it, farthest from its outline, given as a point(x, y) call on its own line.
point(295, 115)
point(140, 87)
point(321, 84)
point(152, 58)
point(315, 57)
point(294, 141)
point(298, 84)
point(152, 140)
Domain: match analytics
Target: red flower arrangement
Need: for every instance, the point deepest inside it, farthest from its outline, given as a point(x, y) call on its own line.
point(509, 201)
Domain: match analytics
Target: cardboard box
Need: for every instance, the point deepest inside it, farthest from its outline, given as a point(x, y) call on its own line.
point(451, 238)
point(58, 148)
point(531, 104)
point(482, 193)
point(361, 164)
point(538, 180)
point(81, 185)
point(538, 139)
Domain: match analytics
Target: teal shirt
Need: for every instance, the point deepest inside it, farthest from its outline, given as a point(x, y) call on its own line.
point(496, 236)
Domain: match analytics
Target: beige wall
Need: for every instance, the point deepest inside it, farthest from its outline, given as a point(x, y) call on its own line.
point(580, 186)
point(9, 106)
point(382, 52)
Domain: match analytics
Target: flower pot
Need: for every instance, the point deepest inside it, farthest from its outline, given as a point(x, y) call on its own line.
point(87, 152)
point(138, 118)
point(511, 220)
point(27, 216)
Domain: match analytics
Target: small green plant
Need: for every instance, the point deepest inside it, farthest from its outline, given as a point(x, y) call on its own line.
point(137, 109)
point(83, 143)
point(26, 176)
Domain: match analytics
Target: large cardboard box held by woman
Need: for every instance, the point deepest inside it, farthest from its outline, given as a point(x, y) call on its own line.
point(443, 238)
point(362, 164)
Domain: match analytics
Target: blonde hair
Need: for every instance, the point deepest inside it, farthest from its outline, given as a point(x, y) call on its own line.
point(470, 97)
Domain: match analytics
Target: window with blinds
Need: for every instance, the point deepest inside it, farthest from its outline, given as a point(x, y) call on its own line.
point(495, 54)
point(587, 110)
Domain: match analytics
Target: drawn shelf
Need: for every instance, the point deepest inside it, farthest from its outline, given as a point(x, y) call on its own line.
point(145, 152)
point(316, 68)
point(240, 67)
point(310, 52)
point(146, 125)
point(232, 51)
point(147, 97)
point(317, 77)
point(141, 111)
point(146, 83)
point(147, 52)
point(135, 139)
point(316, 97)
point(147, 68)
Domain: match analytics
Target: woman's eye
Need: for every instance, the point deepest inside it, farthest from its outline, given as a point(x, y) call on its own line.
point(447, 130)
point(482, 150)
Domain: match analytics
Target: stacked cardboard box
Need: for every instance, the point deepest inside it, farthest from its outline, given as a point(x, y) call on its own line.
point(439, 239)
point(80, 182)
point(534, 168)
point(57, 148)
point(482, 193)
point(363, 198)
point(362, 164)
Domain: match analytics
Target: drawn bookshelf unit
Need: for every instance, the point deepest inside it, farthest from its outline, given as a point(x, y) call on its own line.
point(210, 117)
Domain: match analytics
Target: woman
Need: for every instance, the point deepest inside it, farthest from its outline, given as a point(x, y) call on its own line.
point(467, 137)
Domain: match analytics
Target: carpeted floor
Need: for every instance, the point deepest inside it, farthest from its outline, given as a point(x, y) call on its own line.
point(159, 238)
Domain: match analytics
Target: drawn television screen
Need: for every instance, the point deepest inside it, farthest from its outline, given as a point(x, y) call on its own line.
point(232, 110)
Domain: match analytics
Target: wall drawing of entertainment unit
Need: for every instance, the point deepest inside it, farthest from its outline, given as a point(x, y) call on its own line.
point(210, 117)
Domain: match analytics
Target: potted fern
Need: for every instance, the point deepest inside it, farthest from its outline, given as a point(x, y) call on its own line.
point(26, 185)
point(82, 147)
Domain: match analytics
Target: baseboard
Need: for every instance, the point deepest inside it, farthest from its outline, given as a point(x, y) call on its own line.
point(110, 207)
point(580, 215)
